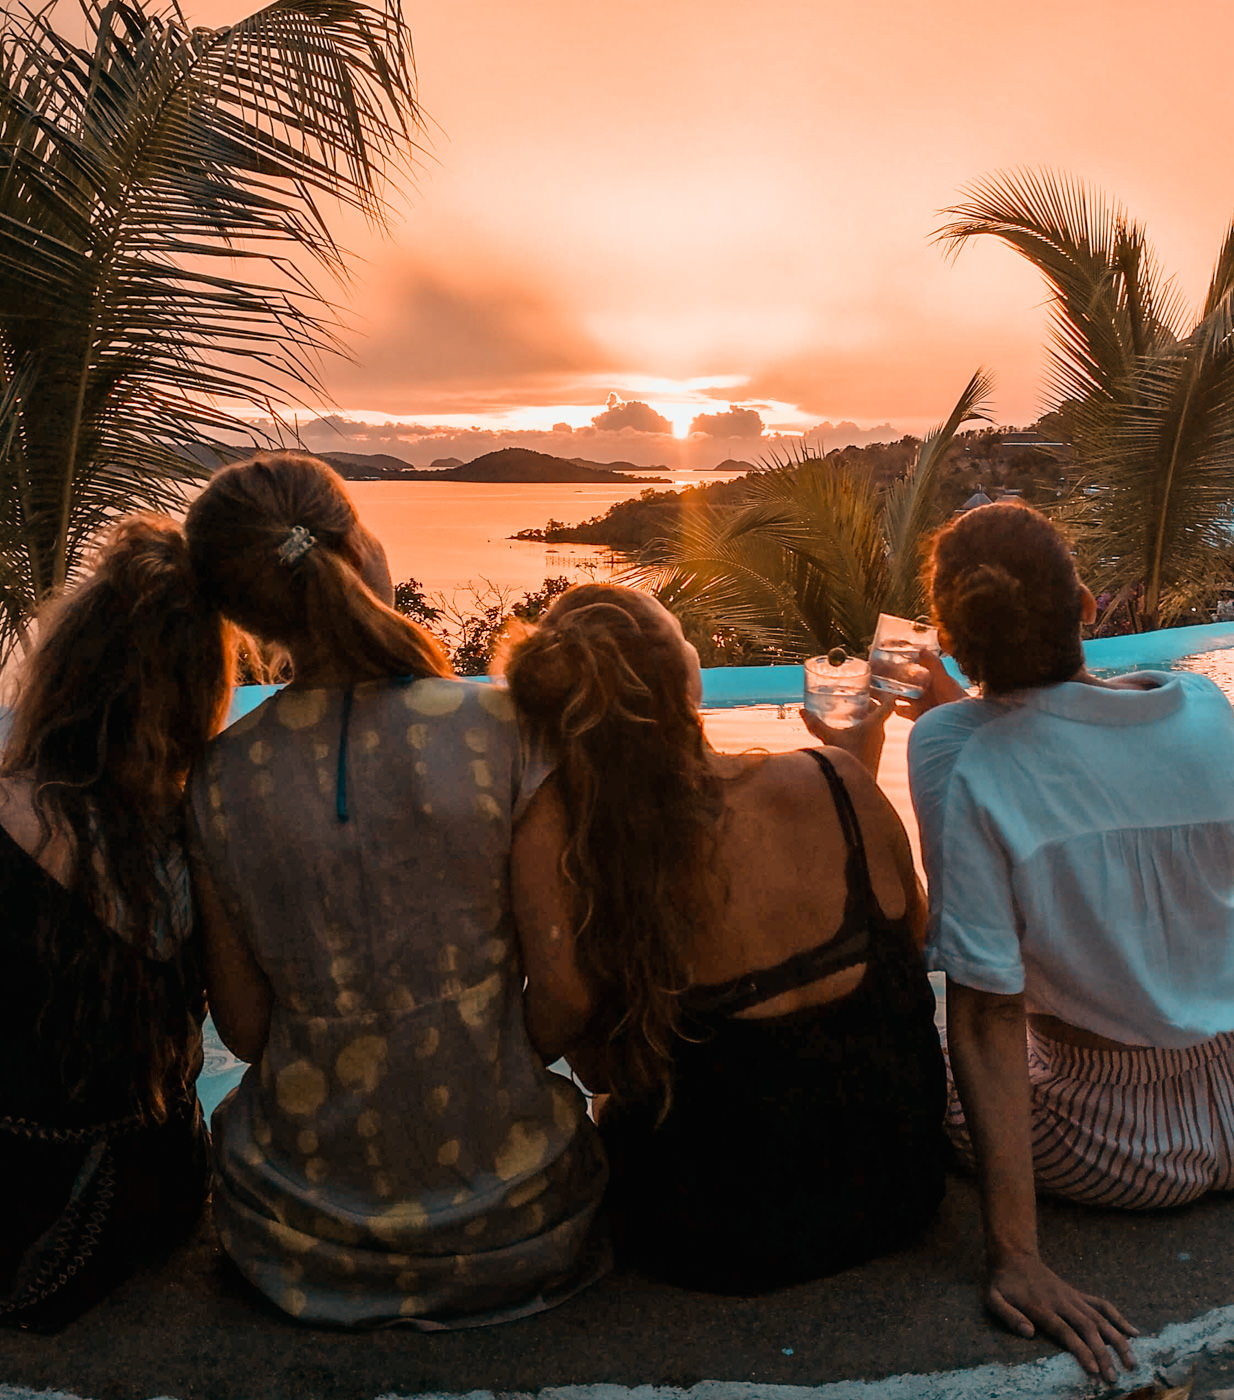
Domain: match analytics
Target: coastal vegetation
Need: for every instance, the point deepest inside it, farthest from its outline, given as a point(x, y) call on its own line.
point(470, 631)
point(632, 525)
point(1145, 386)
point(164, 193)
point(1030, 463)
point(818, 549)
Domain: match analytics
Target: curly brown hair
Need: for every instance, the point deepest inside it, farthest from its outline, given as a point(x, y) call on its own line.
point(605, 686)
point(235, 530)
point(1007, 598)
point(130, 678)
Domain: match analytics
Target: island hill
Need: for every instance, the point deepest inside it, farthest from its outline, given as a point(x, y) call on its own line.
point(509, 464)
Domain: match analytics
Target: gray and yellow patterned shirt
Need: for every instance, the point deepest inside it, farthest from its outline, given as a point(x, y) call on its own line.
point(399, 1152)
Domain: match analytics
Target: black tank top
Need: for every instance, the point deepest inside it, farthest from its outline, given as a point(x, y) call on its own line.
point(796, 1145)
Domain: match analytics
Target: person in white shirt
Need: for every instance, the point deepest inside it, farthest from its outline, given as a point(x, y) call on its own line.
point(1078, 836)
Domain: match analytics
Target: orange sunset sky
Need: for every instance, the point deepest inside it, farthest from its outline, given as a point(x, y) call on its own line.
point(694, 205)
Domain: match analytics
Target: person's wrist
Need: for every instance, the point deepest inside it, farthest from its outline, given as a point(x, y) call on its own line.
point(1010, 1256)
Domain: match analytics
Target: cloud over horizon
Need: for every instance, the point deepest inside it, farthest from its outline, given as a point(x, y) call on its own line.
point(422, 444)
point(630, 413)
point(736, 423)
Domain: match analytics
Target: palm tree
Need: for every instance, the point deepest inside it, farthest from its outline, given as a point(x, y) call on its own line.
point(1148, 388)
point(163, 197)
point(818, 551)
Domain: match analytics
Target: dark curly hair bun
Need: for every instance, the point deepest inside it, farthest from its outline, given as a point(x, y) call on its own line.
point(1005, 593)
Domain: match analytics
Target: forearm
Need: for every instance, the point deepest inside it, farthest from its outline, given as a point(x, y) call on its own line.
point(864, 743)
point(986, 1042)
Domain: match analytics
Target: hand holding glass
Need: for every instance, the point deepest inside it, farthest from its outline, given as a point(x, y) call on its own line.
point(894, 668)
point(837, 688)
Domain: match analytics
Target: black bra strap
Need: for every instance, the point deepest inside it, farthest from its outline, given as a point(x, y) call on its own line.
point(851, 828)
point(849, 948)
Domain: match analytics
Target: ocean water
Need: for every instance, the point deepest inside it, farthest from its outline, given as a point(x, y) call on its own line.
point(453, 537)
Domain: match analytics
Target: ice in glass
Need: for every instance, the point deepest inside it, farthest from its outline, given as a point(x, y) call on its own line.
point(837, 688)
point(894, 665)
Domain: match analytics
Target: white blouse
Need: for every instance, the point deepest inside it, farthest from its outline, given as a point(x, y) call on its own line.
point(1079, 845)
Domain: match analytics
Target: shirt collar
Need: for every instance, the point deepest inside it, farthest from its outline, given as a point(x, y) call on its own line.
point(1094, 704)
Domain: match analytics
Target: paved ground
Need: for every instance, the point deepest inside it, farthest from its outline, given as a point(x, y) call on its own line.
point(190, 1331)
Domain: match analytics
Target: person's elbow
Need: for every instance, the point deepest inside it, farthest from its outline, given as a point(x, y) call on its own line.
point(555, 1022)
point(977, 1016)
point(245, 1029)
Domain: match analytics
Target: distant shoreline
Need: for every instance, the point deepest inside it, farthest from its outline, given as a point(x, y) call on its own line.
point(511, 464)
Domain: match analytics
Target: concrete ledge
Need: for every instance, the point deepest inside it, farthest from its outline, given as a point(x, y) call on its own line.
point(192, 1331)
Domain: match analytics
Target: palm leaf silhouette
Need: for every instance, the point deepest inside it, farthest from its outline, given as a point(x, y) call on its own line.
point(163, 198)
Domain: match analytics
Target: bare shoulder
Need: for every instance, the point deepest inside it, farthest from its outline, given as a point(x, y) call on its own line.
point(784, 778)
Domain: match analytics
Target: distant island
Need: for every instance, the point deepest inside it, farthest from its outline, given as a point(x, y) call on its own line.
point(630, 526)
point(509, 464)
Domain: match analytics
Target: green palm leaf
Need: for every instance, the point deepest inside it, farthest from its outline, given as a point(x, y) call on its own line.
point(1152, 401)
point(911, 509)
point(163, 191)
point(817, 551)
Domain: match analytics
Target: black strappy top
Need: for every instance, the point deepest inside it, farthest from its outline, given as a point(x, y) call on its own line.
point(799, 1144)
point(848, 947)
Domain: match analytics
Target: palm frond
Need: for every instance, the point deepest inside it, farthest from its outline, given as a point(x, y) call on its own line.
point(911, 508)
point(1109, 302)
point(162, 190)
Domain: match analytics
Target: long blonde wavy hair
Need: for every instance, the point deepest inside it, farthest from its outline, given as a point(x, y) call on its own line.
point(605, 685)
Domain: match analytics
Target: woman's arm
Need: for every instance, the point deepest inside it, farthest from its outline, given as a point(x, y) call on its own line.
point(236, 988)
point(556, 1003)
point(986, 1041)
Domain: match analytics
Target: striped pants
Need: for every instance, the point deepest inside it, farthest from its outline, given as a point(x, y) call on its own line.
point(1133, 1129)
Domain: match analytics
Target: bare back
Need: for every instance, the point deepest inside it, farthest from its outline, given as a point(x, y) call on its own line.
point(781, 868)
point(782, 855)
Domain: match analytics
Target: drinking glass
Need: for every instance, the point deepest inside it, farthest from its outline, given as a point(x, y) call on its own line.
point(837, 688)
point(894, 668)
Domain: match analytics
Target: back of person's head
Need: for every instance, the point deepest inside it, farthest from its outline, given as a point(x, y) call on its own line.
point(606, 657)
point(606, 684)
point(130, 678)
point(1007, 598)
point(277, 543)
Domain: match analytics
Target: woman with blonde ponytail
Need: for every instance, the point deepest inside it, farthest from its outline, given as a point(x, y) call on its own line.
point(102, 1147)
point(726, 947)
point(397, 1152)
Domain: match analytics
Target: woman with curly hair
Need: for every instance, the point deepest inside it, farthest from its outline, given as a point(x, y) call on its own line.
point(1078, 835)
point(729, 946)
point(102, 1147)
point(398, 1151)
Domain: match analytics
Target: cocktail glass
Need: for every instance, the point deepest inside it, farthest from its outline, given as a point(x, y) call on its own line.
point(898, 642)
point(837, 688)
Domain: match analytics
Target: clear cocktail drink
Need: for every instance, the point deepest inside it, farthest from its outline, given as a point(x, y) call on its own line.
point(894, 665)
point(837, 688)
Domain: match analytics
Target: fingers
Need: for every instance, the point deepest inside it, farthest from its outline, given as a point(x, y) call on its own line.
point(813, 724)
point(1088, 1326)
point(1109, 1311)
point(1088, 1350)
point(884, 704)
point(1011, 1318)
point(1114, 1327)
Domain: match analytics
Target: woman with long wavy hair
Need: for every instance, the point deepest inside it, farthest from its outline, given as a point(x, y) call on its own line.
point(397, 1152)
point(729, 946)
point(102, 1147)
